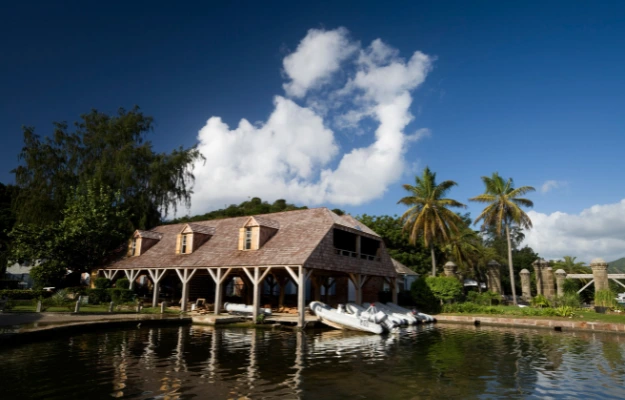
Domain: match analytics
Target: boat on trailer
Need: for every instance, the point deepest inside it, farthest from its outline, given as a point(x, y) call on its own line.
point(338, 319)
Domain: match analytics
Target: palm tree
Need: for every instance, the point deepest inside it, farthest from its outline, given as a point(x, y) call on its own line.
point(503, 210)
point(428, 215)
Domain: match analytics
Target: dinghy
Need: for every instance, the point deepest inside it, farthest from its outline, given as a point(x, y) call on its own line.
point(421, 316)
point(244, 309)
point(341, 320)
point(389, 323)
point(406, 318)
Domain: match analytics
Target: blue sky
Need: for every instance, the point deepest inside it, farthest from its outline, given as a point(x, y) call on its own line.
point(533, 90)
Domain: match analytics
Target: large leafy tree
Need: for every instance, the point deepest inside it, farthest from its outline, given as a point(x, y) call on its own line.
point(107, 150)
point(396, 241)
point(93, 226)
point(570, 266)
point(7, 220)
point(503, 211)
point(428, 216)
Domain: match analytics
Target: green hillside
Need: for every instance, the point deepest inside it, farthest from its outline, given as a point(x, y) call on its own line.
point(617, 267)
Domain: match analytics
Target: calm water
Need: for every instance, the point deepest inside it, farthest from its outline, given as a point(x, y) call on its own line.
point(437, 362)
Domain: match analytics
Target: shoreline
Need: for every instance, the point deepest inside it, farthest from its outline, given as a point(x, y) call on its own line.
point(559, 325)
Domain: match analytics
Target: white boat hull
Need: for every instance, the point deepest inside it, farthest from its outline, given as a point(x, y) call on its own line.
point(337, 320)
point(421, 316)
point(234, 308)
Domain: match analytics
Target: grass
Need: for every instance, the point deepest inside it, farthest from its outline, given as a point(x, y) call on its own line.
point(22, 306)
point(518, 312)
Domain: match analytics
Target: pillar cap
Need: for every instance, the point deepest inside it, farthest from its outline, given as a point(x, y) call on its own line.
point(493, 263)
point(598, 260)
point(450, 264)
point(560, 272)
point(524, 272)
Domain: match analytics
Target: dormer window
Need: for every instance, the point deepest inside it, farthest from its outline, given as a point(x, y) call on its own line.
point(192, 237)
point(248, 238)
point(184, 244)
point(141, 241)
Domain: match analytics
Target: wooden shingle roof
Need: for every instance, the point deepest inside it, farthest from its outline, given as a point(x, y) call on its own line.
point(149, 234)
point(299, 234)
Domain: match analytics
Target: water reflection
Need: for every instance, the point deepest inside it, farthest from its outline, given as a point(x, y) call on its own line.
point(437, 362)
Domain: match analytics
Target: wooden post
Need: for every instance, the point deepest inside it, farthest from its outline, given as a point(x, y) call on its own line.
point(132, 275)
point(77, 308)
point(156, 276)
point(359, 281)
point(394, 289)
point(39, 306)
point(301, 297)
point(219, 277)
point(163, 307)
point(185, 276)
point(111, 304)
point(256, 279)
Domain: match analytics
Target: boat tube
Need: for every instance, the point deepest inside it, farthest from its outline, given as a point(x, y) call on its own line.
point(341, 320)
point(421, 316)
point(406, 318)
point(387, 321)
point(238, 309)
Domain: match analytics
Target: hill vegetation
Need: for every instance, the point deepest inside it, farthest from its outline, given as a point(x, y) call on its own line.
point(617, 266)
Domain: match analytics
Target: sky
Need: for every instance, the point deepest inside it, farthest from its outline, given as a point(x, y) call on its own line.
point(338, 105)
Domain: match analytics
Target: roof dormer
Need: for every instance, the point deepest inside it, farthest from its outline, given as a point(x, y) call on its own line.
point(141, 241)
point(256, 232)
point(192, 237)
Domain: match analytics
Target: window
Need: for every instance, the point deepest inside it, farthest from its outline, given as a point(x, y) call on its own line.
point(183, 247)
point(133, 250)
point(248, 238)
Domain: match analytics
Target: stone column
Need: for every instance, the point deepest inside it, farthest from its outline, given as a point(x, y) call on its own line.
point(539, 276)
point(600, 273)
point(560, 277)
point(493, 276)
point(526, 285)
point(450, 269)
point(549, 288)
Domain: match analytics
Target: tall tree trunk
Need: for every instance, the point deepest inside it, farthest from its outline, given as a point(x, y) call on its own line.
point(510, 265)
point(433, 260)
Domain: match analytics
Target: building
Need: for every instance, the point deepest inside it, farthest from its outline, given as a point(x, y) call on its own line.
point(314, 248)
point(405, 276)
point(21, 274)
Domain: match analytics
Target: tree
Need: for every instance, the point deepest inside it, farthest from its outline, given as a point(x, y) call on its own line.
point(569, 266)
point(504, 210)
point(396, 241)
point(94, 225)
point(107, 150)
point(429, 216)
point(7, 221)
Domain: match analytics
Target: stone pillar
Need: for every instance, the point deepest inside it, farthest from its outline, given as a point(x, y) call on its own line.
point(526, 285)
point(549, 285)
point(493, 276)
point(450, 269)
point(560, 277)
point(600, 273)
point(539, 276)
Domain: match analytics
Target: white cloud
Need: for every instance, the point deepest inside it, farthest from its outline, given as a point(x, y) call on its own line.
point(292, 154)
point(551, 185)
point(598, 231)
point(318, 55)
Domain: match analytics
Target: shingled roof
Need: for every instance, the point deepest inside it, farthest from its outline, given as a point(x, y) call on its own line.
point(203, 229)
point(149, 234)
point(303, 237)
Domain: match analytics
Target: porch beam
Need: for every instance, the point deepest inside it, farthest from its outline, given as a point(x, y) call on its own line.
point(156, 275)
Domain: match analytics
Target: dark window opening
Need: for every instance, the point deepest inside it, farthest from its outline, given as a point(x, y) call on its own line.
point(369, 246)
point(248, 238)
point(345, 240)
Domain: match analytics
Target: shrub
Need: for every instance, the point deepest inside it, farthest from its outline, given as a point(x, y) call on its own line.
point(444, 288)
point(102, 283)
point(423, 297)
point(605, 298)
point(122, 283)
point(120, 296)
point(98, 295)
point(24, 294)
point(540, 301)
point(567, 300)
point(484, 299)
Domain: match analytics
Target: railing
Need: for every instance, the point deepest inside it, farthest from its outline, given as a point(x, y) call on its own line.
point(348, 253)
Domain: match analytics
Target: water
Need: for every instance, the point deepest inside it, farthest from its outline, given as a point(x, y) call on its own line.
point(440, 362)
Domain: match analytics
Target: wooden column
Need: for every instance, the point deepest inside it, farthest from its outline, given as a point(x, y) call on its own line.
point(316, 285)
point(132, 275)
point(394, 290)
point(256, 279)
point(359, 281)
point(300, 279)
point(185, 276)
point(156, 275)
point(219, 277)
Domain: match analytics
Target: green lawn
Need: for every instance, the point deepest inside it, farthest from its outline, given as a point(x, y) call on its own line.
point(21, 306)
point(579, 315)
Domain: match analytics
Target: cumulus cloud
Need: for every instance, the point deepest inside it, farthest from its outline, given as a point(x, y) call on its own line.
point(598, 231)
point(318, 55)
point(295, 154)
point(551, 185)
